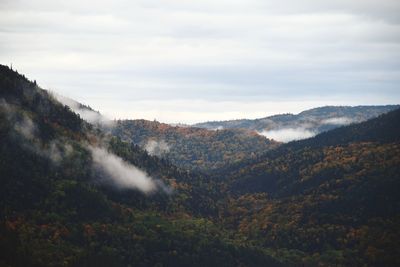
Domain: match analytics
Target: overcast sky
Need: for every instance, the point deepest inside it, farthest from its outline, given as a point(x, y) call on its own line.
point(190, 61)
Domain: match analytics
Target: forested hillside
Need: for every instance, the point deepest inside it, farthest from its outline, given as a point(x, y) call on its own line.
point(73, 194)
point(332, 199)
point(194, 148)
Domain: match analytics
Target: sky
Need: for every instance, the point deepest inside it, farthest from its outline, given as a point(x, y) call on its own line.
point(184, 61)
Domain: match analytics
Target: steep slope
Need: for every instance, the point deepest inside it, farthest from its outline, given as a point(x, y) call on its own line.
point(288, 127)
point(193, 148)
point(331, 199)
point(72, 196)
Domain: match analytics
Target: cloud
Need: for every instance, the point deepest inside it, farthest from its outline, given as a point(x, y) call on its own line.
point(122, 174)
point(84, 112)
point(243, 50)
point(218, 128)
point(156, 148)
point(7, 108)
point(26, 128)
point(288, 134)
point(196, 111)
point(22, 123)
point(338, 121)
point(55, 150)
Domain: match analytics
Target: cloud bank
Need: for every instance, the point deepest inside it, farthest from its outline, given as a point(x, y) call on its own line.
point(288, 134)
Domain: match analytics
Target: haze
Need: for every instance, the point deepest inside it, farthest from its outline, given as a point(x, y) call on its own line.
point(192, 61)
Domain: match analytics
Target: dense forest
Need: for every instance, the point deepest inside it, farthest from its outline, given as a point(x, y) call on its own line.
point(73, 194)
point(57, 209)
point(337, 200)
point(213, 145)
point(194, 148)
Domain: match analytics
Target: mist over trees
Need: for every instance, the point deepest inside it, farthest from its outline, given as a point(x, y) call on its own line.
point(78, 194)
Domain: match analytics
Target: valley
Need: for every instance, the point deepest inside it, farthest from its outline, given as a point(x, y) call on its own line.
point(145, 193)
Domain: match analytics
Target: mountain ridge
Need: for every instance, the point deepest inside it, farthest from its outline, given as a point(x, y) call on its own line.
point(289, 127)
point(67, 196)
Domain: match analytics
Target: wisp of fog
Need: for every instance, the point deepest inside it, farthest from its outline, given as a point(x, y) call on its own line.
point(156, 148)
point(123, 174)
point(288, 134)
point(85, 113)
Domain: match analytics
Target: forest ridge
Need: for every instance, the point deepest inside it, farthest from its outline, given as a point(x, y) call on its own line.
point(76, 193)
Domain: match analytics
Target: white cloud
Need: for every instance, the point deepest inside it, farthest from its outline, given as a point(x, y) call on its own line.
point(210, 50)
point(288, 134)
point(156, 147)
point(338, 121)
point(121, 173)
point(218, 128)
point(22, 125)
point(85, 113)
point(25, 127)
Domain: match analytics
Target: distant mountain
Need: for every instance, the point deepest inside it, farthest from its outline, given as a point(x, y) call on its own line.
point(191, 147)
point(335, 196)
point(288, 127)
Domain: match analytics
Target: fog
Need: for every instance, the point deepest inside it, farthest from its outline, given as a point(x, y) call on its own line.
point(156, 147)
point(84, 112)
point(288, 134)
point(121, 173)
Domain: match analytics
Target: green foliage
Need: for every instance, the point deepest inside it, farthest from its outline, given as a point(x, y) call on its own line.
point(328, 201)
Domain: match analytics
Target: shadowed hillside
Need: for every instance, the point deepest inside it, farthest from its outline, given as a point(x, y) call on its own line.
point(74, 195)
